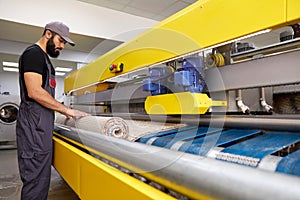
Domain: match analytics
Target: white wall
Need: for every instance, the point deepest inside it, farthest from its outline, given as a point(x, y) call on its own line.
point(9, 82)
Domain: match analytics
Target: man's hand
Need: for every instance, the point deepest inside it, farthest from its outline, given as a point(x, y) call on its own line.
point(74, 114)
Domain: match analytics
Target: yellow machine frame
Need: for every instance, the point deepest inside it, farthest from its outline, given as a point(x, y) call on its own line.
point(91, 178)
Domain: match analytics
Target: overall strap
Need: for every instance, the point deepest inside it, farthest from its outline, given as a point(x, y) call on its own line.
point(50, 83)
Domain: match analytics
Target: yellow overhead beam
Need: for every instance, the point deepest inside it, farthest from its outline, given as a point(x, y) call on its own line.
point(202, 24)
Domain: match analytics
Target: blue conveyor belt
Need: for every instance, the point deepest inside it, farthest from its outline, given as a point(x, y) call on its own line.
point(202, 145)
point(263, 145)
point(290, 164)
point(237, 145)
point(166, 134)
point(169, 140)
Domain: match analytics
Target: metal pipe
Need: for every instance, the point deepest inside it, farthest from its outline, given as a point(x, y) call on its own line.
point(263, 102)
point(240, 104)
point(189, 174)
point(260, 123)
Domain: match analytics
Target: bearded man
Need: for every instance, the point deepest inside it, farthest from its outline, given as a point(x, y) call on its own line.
point(36, 113)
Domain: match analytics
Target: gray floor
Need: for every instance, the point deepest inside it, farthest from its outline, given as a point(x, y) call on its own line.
point(10, 183)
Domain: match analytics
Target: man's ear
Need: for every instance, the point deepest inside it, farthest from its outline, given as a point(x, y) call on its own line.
point(48, 34)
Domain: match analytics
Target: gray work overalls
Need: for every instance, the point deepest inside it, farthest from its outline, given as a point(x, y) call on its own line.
point(34, 140)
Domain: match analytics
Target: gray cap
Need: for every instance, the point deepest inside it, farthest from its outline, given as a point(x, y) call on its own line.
point(61, 29)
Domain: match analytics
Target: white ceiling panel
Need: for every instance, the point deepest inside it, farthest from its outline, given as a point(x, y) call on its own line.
point(152, 9)
point(155, 6)
point(189, 1)
point(115, 5)
point(139, 12)
point(124, 2)
point(174, 8)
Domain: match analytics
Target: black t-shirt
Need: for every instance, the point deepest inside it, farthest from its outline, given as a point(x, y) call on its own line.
point(33, 60)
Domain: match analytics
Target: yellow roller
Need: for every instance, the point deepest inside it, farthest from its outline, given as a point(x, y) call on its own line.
point(213, 60)
point(221, 60)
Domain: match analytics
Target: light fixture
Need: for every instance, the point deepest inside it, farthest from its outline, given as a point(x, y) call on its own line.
point(10, 64)
point(63, 69)
point(9, 69)
point(60, 73)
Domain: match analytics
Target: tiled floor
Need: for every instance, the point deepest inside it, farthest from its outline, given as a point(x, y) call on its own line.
point(10, 183)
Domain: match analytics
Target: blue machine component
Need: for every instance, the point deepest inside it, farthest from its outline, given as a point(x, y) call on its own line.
point(191, 77)
point(290, 164)
point(149, 86)
point(158, 81)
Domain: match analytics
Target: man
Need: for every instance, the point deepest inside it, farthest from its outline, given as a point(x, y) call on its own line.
point(36, 113)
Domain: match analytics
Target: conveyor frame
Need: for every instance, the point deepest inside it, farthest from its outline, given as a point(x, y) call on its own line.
point(91, 178)
point(194, 176)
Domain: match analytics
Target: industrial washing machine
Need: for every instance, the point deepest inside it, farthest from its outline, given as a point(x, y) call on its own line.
point(9, 107)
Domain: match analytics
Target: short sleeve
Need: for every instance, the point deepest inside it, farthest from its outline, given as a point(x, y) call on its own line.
point(33, 61)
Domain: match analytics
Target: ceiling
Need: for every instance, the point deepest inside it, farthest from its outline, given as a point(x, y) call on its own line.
point(28, 34)
point(152, 9)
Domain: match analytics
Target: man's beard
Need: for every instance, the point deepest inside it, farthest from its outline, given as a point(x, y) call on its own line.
point(50, 48)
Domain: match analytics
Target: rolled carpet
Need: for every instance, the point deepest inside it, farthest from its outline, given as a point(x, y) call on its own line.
point(110, 126)
point(117, 127)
